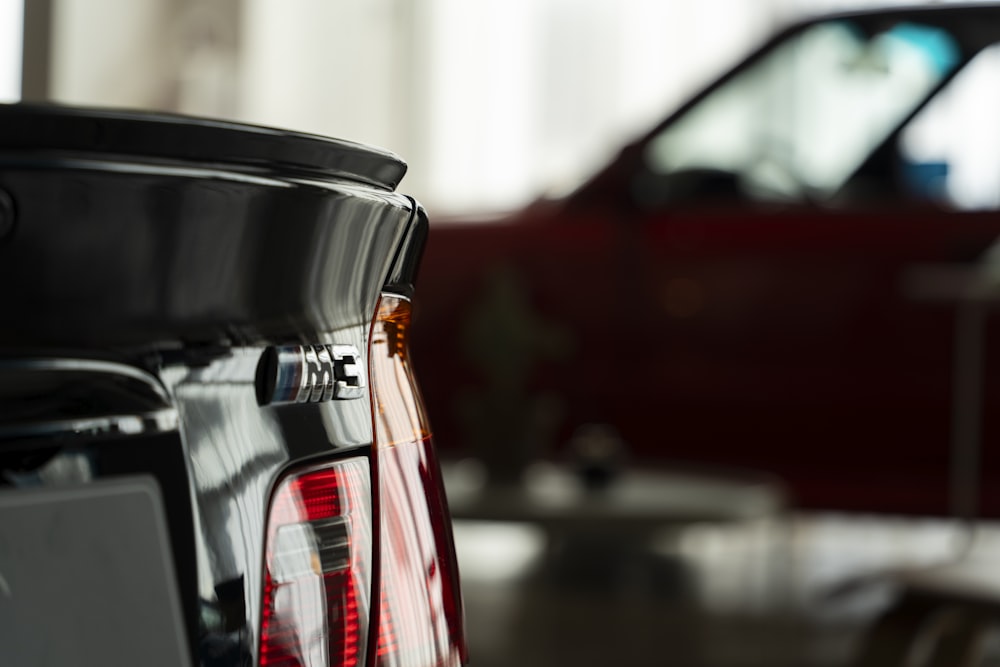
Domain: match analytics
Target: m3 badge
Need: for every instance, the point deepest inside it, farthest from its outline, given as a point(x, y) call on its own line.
point(310, 374)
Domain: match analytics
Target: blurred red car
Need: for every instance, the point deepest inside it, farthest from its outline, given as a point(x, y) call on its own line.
point(746, 284)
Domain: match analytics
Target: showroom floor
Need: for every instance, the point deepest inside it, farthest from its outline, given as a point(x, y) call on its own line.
point(758, 593)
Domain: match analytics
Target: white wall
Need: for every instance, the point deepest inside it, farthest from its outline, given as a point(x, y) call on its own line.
point(11, 16)
point(332, 67)
point(170, 55)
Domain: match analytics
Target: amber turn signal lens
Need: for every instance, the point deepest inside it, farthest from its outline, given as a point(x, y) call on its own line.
point(399, 411)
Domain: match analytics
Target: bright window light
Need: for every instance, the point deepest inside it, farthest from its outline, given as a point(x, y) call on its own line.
point(11, 25)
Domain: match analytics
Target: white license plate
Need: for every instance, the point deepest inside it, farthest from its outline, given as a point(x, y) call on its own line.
point(87, 577)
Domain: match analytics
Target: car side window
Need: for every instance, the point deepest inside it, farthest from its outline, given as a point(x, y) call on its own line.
point(950, 152)
point(797, 122)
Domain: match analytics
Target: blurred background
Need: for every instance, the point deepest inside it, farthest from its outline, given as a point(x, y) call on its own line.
point(560, 83)
point(840, 537)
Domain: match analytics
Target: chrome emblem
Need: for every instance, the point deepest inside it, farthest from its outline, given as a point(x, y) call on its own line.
point(310, 374)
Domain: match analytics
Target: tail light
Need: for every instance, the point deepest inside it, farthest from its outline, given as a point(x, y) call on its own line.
point(420, 612)
point(322, 540)
point(316, 574)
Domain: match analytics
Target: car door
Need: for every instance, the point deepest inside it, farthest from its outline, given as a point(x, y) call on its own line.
point(791, 342)
point(520, 315)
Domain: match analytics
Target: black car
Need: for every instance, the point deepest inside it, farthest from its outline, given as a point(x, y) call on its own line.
point(212, 448)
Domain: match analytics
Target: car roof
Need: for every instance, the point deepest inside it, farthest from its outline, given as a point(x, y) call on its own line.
point(975, 26)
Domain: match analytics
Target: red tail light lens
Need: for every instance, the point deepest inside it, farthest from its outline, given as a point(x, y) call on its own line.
point(317, 577)
point(420, 611)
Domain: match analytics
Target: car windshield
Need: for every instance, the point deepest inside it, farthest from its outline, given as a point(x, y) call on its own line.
point(803, 117)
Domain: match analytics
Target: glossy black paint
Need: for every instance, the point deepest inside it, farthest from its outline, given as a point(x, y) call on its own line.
point(237, 450)
point(38, 129)
point(148, 278)
point(115, 251)
point(407, 262)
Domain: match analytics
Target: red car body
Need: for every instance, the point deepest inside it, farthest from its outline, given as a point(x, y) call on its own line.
point(740, 314)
